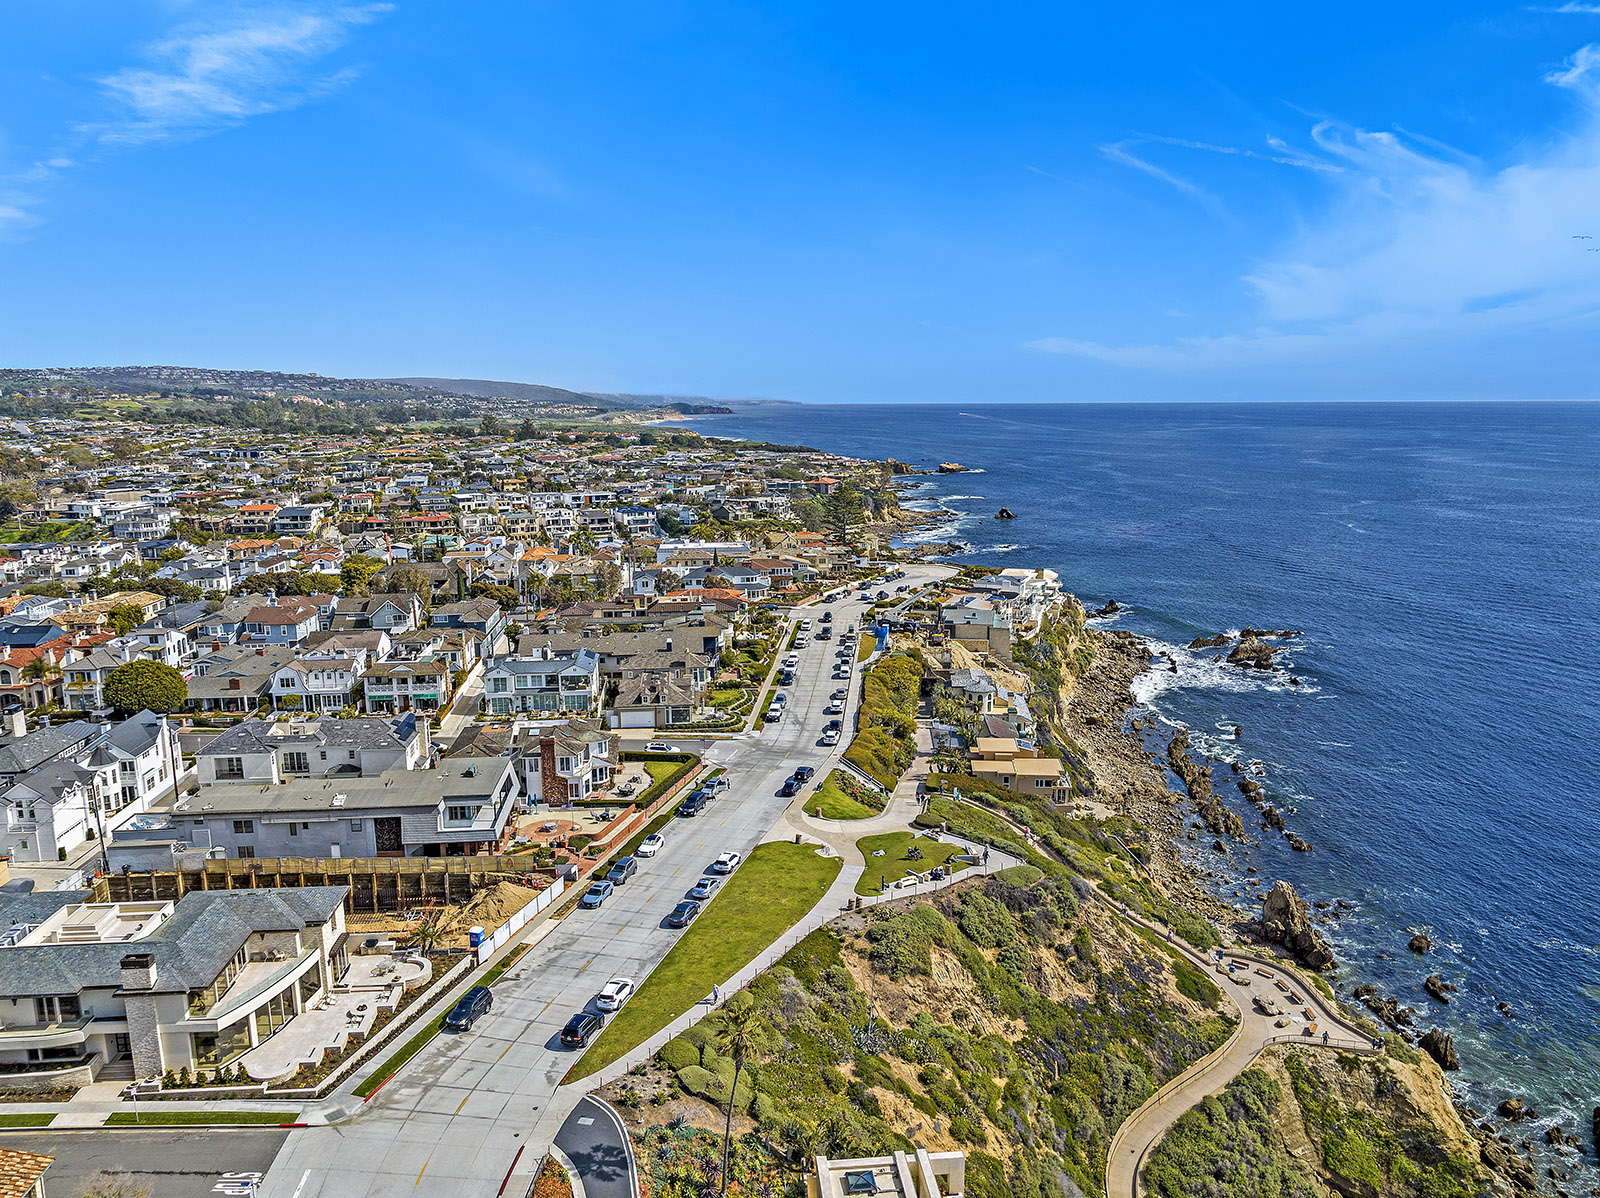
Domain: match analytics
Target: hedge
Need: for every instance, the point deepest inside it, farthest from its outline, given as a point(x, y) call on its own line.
point(886, 740)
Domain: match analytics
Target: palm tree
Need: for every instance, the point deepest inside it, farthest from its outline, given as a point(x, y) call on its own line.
point(42, 669)
point(742, 1034)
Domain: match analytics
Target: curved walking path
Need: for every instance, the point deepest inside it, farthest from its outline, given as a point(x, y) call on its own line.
point(1250, 976)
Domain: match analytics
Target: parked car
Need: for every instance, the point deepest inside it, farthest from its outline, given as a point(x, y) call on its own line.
point(683, 913)
point(617, 991)
point(774, 714)
point(803, 773)
point(579, 1028)
point(792, 661)
point(789, 789)
point(692, 805)
point(785, 677)
point(597, 893)
point(717, 785)
point(825, 635)
point(840, 695)
point(833, 709)
point(802, 642)
point(469, 1006)
point(621, 870)
point(830, 737)
point(704, 888)
point(726, 863)
point(650, 845)
point(834, 726)
point(659, 746)
point(780, 699)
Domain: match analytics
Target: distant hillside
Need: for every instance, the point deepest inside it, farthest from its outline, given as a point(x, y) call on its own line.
point(493, 389)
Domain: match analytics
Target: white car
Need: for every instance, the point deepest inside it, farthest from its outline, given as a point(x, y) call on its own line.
point(791, 661)
point(617, 992)
point(833, 709)
point(650, 845)
point(659, 746)
point(802, 642)
point(726, 863)
point(830, 737)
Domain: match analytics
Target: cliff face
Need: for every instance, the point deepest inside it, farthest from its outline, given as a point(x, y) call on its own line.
point(1376, 1127)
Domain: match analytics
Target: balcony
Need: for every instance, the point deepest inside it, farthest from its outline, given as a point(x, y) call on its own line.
point(57, 1034)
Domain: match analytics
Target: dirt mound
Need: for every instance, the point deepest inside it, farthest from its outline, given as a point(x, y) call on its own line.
point(488, 909)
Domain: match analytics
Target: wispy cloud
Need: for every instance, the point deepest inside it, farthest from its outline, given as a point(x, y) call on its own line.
point(241, 60)
point(204, 77)
point(1122, 151)
point(1421, 250)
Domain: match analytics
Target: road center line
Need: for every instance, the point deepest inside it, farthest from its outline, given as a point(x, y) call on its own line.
point(420, 1172)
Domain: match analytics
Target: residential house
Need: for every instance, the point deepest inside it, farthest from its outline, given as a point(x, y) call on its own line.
point(544, 680)
point(142, 988)
point(319, 680)
point(266, 752)
point(574, 760)
point(1023, 770)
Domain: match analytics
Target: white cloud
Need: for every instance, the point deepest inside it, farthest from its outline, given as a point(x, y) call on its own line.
point(1419, 250)
point(203, 77)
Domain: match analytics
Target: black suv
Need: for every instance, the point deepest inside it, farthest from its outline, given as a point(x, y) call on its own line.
point(693, 804)
point(469, 1006)
point(579, 1028)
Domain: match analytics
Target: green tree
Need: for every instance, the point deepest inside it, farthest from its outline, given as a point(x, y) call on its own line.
point(743, 1034)
point(843, 509)
point(492, 426)
point(495, 593)
point(145, 685)
point(356, 573)
point(124, 618)
point(411, 580)
point(608, 579)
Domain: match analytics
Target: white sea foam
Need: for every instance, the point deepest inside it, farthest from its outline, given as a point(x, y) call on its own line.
point(1203, 673)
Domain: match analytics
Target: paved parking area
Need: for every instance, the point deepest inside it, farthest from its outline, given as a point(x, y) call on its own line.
point(185, 1162)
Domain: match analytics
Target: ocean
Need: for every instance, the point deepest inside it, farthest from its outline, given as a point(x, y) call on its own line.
point(1443, 562)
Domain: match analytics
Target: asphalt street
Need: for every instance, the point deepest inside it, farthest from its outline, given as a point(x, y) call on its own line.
point(185, 1162)
point(452, 1121)
point(595, 1143)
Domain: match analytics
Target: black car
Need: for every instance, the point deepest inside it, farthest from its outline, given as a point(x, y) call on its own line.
point(827, 616)
point(834, 726)
point(469, 1006)
point(789, 789)
point(692, 805)
point(579, 1028)
point(683, 913)
point(621, 870)
point(786, 678)
point(803, 773)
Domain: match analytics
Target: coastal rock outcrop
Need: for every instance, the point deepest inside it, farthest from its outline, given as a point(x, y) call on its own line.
point(952, 468)
point(1419, 944)
point(1210, 642)
point(1252, 653)
point(1109, 608)
point(1441, 1047)
point(1511, 1108)
point(1438, 988)
point(898, 467)
point(1218, 820)
point(1005, 513)
point(1285, 921)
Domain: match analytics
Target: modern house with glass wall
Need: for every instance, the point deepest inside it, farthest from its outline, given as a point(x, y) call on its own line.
point(546, 681)
point(133, 989)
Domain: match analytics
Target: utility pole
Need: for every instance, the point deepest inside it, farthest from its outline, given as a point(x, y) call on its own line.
point(100, 830)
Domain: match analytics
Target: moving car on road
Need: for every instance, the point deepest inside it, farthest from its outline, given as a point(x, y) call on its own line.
point(617, 991)
point(598, 893)
point(704, 888)
point(621, 870)
point(803, 773)
point(650, 845)
point(789, 789)
point(659, 746)
point(469, 1006)
point(683, 914)
point(726, 863)
point(579, 1028)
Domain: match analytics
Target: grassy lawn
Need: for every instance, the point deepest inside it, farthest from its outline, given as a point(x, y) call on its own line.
point(894, 862)
point(771, 891)
point(727, 696)
point(831, 802)
point(147, 1116)
point(26, 1120)
point(867, 645)
point(660, 769)
point(405, 1052)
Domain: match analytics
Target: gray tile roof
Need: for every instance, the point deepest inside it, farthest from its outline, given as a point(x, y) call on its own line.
point(260, 736)
point(203, 933)
point(20, 754)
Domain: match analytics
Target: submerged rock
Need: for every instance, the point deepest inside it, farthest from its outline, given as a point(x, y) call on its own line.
point(1438, 988)
point(1419, 944)
point(1252, 653)
point(1511, 1108)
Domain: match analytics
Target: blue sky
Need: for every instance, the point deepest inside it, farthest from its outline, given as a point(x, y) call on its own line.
point(832, 202)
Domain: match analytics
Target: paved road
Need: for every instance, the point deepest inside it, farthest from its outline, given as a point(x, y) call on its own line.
point(452, 1121)
point(181, 1163)
point(596, 1143)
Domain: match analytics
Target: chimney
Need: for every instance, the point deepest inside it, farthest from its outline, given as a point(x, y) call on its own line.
point(233, 684)
point(261, 651)
point(139, 971)
point(669, 644)
point(16, 723)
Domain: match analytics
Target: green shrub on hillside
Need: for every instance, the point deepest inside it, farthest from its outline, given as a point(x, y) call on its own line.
point(1226, 1147)
point(886, 740)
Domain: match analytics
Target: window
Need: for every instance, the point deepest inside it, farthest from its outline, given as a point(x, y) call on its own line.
point(245, 852)
point(297, 763)
point(463, 814)
point(230, 767)
point(355, 825)
point(497, 686)
point(244, 827)
point(294, 829)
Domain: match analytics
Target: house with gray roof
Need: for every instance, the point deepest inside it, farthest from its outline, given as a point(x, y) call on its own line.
point(132, 989)
point(267, 752)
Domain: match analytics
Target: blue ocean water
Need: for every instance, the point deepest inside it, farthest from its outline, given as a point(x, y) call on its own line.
point(1444, 564)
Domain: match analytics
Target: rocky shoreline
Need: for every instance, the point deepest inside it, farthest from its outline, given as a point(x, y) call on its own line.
point(1100, 715)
